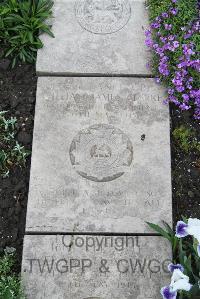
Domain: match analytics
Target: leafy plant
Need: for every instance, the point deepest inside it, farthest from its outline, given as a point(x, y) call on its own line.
point(174, 40)
point(186, 258)
point(11, 152)
point(186, 139)
point(9, 282)
point(21, 23)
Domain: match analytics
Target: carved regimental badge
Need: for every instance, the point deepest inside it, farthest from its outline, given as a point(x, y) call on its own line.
point(101, 153)
point(102, 16)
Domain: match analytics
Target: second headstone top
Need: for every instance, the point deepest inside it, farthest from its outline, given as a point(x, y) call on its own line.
point(96, 37)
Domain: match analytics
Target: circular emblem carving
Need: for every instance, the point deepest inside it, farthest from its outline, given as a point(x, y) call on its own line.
point(101, 153)
point(102, 16)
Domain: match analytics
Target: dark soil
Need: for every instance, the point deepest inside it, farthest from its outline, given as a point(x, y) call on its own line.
point(17, 95)
point(185, 169)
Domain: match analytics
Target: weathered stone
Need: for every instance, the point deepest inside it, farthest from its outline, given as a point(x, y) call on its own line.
point(95, 267)
point(96, 37)
point(101, 156)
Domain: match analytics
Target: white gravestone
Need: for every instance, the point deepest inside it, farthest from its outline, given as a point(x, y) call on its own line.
point(96, 37)
point(101, 156)
point(95, 267)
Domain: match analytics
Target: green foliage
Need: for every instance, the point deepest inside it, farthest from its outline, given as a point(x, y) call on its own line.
point(188, 12)
point(9, 282)
point(185, 138)
point(21, 23)
point(11, 152)
point(184, 253)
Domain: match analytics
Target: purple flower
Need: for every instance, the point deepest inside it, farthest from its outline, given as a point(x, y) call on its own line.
point(180, 88)
point(174, 1)
point(158, 19)
point(172, 47)
point(187, 50)
point(170, 91)
point(195, 64)
point(177, 81)
point(173, 11)
point(195, 93)
point(163, 69)
point(185, 97)
point(184, 72)
point(165, 15)
point(167, 293)
point(163, 39)
point(167, 46)
point(176, 44)
point(155, 25)
point(196, 26)
point(149, 42)
point(172, 267)
point(171, 37)
point(160, 51)
point(168, 26)
point(181, 229)
point(182, 64)
point(188, 34)
point(163, 66)
point(155, 46)
point(188, 85)
point(147, 33)
point(174, 100)
point(197, 116)
point(165, 59)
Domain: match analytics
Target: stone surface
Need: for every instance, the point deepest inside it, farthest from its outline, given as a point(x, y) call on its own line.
point(95, 267)
point(101, 156)
point(96, 37)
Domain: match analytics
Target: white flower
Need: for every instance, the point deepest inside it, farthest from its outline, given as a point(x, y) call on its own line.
point(179, 281)
point(191, 228)
point(194, 228)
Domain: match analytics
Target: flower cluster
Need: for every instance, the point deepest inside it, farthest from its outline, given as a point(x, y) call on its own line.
point(180, 281)
point(178, 62)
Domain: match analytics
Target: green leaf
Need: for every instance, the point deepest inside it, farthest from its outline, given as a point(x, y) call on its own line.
point(14, 61)
point(9, 52)
point(159, 230)
point(48, 31)
point(169, 229)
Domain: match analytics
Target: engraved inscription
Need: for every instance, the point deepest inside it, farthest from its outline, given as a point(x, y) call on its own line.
point(102, 16)
point(101, 153)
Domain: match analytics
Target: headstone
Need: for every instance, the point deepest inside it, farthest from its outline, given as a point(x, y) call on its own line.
point(96, 37)
point(95, 267)
point(101, 156)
